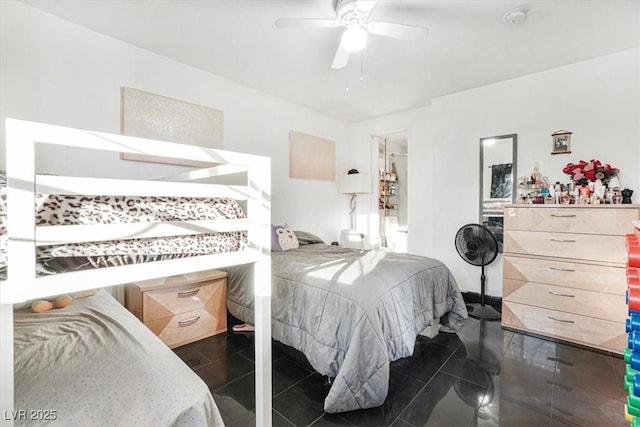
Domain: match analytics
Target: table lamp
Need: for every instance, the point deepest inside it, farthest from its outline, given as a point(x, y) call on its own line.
point(354, 183)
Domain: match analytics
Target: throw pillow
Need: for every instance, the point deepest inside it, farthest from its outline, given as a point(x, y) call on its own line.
point(283, 238)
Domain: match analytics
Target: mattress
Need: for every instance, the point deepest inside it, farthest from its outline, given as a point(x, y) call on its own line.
point(61, 210)
point(352, 312)
point(94, 364)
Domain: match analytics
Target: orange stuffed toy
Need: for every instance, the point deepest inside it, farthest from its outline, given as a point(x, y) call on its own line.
point(41, 306)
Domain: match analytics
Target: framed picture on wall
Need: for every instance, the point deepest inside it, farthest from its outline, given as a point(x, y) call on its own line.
point(561, 142)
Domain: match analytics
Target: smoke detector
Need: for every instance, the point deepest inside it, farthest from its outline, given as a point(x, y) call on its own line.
point(515, 17)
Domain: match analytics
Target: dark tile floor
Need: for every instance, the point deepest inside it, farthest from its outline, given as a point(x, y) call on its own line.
point(481, 376)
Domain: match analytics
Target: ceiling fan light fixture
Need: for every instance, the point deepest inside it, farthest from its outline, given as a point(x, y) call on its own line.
point(354, 38)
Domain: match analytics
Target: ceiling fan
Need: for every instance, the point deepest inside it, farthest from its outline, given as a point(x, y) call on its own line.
point(353, 15)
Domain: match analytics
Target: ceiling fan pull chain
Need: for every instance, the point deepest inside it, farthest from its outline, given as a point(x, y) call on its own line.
point(347, 81)
point(361, 66)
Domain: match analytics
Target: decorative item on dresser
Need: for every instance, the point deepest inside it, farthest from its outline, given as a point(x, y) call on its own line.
point(181, 309)
point(564, 272)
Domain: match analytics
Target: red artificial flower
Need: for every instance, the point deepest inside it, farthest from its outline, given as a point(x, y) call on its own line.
point(590, 174)
point(583, 172)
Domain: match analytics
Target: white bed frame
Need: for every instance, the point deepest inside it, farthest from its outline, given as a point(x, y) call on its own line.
point(24, 139)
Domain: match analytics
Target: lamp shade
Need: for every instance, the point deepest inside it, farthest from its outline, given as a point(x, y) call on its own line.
point(355, 183)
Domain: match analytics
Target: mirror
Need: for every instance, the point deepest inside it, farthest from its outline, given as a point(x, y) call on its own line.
point(497, 172)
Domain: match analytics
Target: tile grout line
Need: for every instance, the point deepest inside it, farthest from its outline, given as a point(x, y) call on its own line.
point(423, 387)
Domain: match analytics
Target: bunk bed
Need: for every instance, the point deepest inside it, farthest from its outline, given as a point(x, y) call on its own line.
point(352, 312)
point(44, 255)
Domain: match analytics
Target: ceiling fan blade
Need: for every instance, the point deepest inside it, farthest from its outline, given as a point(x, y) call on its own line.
point(341, 57)
point(306, 23)
point(365, 6)
point(397, 31)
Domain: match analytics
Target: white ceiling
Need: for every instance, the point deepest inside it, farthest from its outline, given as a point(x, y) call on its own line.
point(469, 45)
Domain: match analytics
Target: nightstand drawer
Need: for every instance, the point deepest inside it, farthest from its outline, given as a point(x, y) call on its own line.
point(591, 277)
point(161, 303)
point(190, 326)
point(584, 330)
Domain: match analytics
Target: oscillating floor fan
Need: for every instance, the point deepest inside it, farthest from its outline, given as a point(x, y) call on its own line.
point(477, 245)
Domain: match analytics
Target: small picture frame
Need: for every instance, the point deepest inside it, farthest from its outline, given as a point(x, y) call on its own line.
point(561, 142)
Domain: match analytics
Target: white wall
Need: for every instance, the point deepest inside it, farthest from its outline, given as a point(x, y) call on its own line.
point(56, 72)
point(598, 100)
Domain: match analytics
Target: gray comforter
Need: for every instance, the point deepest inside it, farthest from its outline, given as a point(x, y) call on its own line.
point(352, 312)
point(94, 364)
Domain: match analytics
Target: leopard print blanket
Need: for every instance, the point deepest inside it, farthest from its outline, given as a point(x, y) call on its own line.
point(56, 209)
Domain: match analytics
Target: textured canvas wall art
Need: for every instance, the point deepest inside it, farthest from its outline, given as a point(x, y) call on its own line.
point(311, 157)
point(147, 115)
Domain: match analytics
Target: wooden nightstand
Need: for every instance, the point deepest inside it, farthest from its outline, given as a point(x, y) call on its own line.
point(181, 309)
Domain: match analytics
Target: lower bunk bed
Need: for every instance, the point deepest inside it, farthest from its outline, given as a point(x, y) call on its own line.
point(94, 364)
point(351, 312)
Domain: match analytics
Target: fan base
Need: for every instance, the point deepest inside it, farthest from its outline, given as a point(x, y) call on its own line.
point(484, 312)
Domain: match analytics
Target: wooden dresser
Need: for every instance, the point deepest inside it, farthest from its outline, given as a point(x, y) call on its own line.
point(564, 272)
point(181, 309)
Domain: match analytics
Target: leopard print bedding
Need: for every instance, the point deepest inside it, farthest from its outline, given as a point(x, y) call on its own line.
point(55, 259)
point(56, 209)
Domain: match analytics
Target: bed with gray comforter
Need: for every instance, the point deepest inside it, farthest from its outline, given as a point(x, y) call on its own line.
point(352, 312)
point(94, 364)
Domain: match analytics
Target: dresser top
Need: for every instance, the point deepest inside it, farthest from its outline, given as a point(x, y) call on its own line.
point(559, 206)
point(182, 279)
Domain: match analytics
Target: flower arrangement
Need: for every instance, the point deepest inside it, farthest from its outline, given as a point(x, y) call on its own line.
point(593, 170)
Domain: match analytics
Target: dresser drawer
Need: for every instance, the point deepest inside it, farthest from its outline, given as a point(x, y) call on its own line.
point(190, 326)
point(589, 331)
point(591, 277)
point(567, 300)
point(567, 245)
point(160, 303)
point(590, 220)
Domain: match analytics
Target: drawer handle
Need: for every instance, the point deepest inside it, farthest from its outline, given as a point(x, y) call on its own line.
point(560, 294)
point(188, 293)
point(561, 269)
point(563, 215)
point(561, 320)
point(188, 321)
point(563, 240)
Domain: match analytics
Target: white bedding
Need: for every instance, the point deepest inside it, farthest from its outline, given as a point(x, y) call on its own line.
point(94, 364)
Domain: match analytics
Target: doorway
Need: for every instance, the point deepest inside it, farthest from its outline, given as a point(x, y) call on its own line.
point(393, 190)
